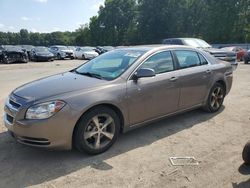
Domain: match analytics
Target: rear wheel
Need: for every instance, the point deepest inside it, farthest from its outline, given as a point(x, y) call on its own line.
point(246, 153)
point(215, 98)
point(97, 130)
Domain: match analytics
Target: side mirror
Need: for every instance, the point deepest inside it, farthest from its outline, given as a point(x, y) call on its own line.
point(143, 73)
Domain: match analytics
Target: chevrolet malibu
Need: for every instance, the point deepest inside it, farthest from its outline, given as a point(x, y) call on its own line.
point(89, 107)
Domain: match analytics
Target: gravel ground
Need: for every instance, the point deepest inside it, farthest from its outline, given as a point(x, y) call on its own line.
point(139, 158)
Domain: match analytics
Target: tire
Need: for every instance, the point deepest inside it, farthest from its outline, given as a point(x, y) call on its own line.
point(83, 57)
point(215, 98)
point(88, 134)
point(246, 154)
point(59, 57)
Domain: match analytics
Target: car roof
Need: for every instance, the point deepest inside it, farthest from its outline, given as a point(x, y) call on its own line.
point(156, 47)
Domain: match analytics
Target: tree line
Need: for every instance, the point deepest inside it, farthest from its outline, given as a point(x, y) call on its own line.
point(129, 22)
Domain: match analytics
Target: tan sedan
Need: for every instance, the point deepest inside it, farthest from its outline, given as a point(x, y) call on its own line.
point(120, 90)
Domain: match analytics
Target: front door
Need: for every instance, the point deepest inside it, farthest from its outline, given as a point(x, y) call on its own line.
point(149, 98)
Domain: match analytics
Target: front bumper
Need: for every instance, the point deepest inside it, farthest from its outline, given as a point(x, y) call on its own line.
point(44, 58)
point(55, 132)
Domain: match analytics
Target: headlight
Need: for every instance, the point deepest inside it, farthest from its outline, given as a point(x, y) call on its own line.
point(44, 110)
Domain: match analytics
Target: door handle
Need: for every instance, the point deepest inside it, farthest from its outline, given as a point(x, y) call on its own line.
point(173, 79)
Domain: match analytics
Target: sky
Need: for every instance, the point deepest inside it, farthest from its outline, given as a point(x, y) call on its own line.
point(46, 15)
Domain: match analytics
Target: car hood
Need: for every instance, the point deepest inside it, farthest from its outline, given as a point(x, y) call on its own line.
point(44, 53)
point(90, 52)
point(57, 85)
point(218, 51)
point(67, 51)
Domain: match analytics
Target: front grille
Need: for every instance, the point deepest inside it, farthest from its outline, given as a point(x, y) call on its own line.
point(9, 118)
point(14, 56)
point(69, 54)
point(33, 141)
point(14, 104)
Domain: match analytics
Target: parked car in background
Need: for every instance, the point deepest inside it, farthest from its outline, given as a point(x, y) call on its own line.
point(61, 52)
point(246, 153)
point(89, 106)
point(41, 53)
point(12, 54)
point(85, 53)
point(27, 48)
point(246, 58)
point(238, 50)
point(224, 55)
point(73, 48)
point(103, 49)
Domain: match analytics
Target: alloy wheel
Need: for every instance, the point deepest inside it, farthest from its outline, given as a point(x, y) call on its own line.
point(217, 98)
point(99, 131)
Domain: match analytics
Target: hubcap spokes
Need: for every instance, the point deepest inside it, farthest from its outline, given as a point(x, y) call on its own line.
point(100, 131)
point(217, 98)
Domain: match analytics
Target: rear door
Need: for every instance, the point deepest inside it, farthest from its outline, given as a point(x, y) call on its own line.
point(157, 96)
point(195, 78)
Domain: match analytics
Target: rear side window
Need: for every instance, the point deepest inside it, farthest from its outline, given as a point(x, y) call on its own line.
point(161, 62)
point(187, 59)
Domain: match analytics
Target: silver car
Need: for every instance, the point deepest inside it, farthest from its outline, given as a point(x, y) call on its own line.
point(85, 53)
point(89, 107)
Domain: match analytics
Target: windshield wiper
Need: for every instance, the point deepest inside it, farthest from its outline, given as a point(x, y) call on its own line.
point(90, 74)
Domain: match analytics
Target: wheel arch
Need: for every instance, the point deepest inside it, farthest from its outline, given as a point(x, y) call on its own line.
point(223, 83)
point(111, 106)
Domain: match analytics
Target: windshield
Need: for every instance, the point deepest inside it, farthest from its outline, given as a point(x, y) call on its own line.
point(110, 65)
point(27, 47)
point(197, 43)
point(108, 48)
point(87, 49)
point(62, 48)
point(41, 49)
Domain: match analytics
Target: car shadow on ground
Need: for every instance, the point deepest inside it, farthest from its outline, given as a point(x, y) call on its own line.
point(244, 170)
point(22, 166)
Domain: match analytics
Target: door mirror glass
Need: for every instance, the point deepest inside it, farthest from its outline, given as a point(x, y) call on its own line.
point(143, 73)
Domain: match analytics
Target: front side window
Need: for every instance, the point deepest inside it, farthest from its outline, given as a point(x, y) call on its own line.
point(187, 59)
point(160, 63)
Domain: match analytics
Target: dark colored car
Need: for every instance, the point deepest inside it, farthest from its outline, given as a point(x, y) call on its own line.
point(246, 58)
point(89, 107)
point(103, 49)
point(41, 54)
point(238, 50)
point(246, 153)
point(224, 55)
point(12, 54)
point(27, 48)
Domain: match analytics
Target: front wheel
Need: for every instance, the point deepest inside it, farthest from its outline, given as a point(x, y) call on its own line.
point(215, 98)
point(97, 130)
